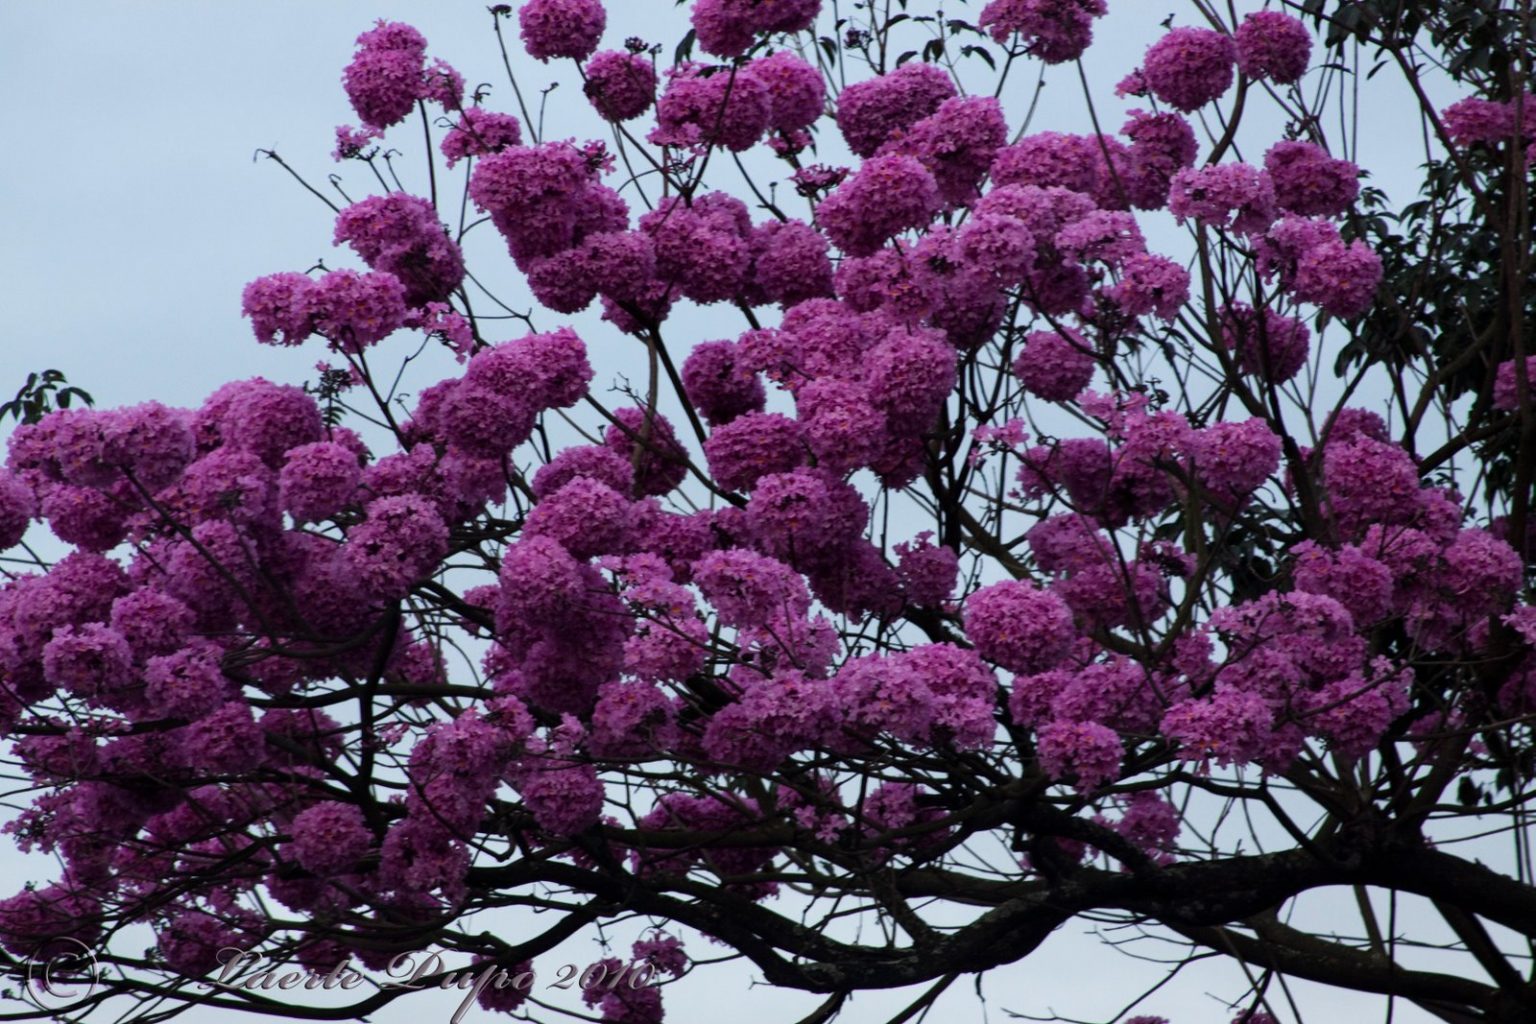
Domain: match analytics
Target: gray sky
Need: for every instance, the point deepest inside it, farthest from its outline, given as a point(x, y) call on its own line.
point(133, 215)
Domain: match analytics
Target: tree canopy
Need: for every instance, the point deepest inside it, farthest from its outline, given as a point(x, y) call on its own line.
point(1008, 527)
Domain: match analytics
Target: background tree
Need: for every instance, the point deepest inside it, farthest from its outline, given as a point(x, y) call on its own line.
point(988, 577)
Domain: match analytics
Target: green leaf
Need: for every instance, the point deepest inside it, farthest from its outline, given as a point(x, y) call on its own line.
point(685, 48)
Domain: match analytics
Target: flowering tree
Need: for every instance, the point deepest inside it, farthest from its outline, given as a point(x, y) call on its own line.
point(992, 572)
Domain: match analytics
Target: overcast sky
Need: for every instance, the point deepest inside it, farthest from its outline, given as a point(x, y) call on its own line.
point(132, 214)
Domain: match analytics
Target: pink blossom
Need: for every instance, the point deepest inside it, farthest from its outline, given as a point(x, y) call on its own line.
point(1319, 267)
point(1053, 30)
point(620, 265)
point(789, 263)
point(1224, 195)
point(718, 384)
point(229, 484)
point(1049, 160)
point(480, 132)
point(269, 419)
point(401, 542)
point(17, 507)
point(1308, 181)
point(1341, 279)
point(1190, 67)
point(1055, 366)
point(796, 92)
point(1506, 384)
point(1273, 348)
point(90, 660)
point(281, 308)
point(662, 463)
point(384, 80)
point(1044, 210)
point(928, 572)
point(703, 246)
point(585, 516)
point(329, 837)
point(746, 588)
point(353, 142)
point(547, 371)
point(888, 195)
point(1273, 45)
point(703, 107)
point(443, 85)
point(484, 422)
point(898, 806)
point(561, 28)
point(1352, 713)
point(842, 426)
point(1481, 571)
point(1087, 750)
point(662, 951)
point(1161, 146)
point(1151, 284)
point(152, 622)
point(667, 644)
point(187, 684)
point(509, 989)
point(727, 28)
point(1068, 543)
point(910, 374)
point(594, 462)
point(545, 199)
point(1108, 236)
point(317, 480)
point(806, 516)
point(752, 446)
point(1230, 726)
point(621, 86)
point(1152, 823)
point(1475, 121)
point(355, 311)
point(439, 320)
point(1019, 626)
point(891, 280)
point(87, 517)
point(723, 813)
point(871, 112)
point(957, 143)
point(50, 921)
point(1000, 244)
point(1234, 458)
point(419, 856)
point(225, 742)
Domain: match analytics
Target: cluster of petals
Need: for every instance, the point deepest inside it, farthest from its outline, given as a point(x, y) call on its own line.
point(1190, 67)
point(1053, 30)
point(561, 28)
point(728, 28)
point(386, 79)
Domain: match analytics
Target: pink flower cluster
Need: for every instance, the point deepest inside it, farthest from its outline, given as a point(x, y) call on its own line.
point(480, 132)
point(351, 310)
point(1053, 30)
point(1273, 45)
point(561, 28)
point(728, 28)
point(621, 86)
point(389, 75)
point(1315, 265)
point(1475, 121)
point(400, 235)
point(1190, 67)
